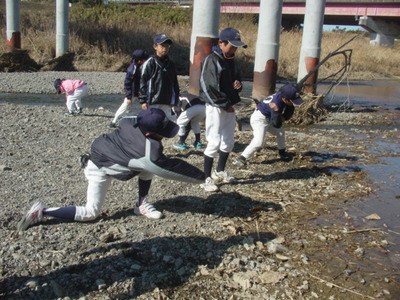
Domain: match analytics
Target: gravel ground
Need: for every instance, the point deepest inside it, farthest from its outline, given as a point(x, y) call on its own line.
point(278, 233)
point(42, 82)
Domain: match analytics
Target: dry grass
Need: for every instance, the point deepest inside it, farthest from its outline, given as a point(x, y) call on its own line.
point(105, 45)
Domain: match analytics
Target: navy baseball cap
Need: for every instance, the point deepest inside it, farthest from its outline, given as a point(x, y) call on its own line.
point(140, 54)
point(232, 36)
point(291, 92)
point(57, 84)
point(161, 38)
point(154, 120)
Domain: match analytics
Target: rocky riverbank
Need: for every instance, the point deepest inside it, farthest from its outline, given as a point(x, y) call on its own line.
point(278, 233)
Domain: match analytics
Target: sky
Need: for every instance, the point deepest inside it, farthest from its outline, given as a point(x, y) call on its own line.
point(347, 28)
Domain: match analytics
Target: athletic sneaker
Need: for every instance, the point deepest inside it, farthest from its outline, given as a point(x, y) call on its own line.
point(222, 177)
point(181, 146)
point(146, 209)
point(198, 145)
point(284, 156)
point(69, 114)
point(209, 185)
point(34, 215)
point(78, 111)
point(239, 162)
point(112, 125)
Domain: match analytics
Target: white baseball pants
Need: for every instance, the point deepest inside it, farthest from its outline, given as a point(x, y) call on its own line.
point(98, 184)
point(261, 125)
point(74, 100)
point(193, 115)
point(125, 107)
point(220, 130)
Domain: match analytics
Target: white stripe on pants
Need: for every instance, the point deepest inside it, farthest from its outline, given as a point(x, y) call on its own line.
point(261, 125)
point(74, 100)
point(220, 130)
point(193, 115)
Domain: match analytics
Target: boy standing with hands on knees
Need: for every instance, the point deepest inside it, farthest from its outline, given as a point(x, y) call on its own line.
point(220, 84)
point(191, 112)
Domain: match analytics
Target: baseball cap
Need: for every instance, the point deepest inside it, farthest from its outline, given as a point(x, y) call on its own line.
point(232, 36)
point(57, 83)
point(161, 38)
point(291, 92)
point(154, 120)
point(140, 54)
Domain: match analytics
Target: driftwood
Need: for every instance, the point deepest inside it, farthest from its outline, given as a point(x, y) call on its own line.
point(62, 63)
point(311, 111)
point(18, 61)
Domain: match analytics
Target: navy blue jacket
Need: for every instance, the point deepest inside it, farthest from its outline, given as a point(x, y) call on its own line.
point(216, 80)
point(132, 80)
point(126, 152)
point(159, 82)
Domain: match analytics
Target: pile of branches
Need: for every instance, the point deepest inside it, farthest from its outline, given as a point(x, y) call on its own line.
point(311, 111)
point(18, 61)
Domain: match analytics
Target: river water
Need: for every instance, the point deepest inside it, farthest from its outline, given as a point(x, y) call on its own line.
point(383, 201)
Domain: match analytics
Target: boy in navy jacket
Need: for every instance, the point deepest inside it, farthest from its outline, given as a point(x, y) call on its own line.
point(159, 86)
point(131, 83)
point(220, 84)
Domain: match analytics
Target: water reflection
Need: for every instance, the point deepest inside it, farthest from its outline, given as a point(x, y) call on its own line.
point(381, 93)
point(370, 93)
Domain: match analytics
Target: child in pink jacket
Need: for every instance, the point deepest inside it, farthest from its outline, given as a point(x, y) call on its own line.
point(74, 90)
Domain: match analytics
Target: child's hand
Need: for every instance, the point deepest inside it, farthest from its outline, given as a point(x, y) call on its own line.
point(237, 85)
point(145, 106)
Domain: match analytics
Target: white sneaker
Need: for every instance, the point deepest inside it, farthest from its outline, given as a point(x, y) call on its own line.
point(209, 185)
point(148, 210)
point(222, 177)
point(239, 162)
point(34, 215)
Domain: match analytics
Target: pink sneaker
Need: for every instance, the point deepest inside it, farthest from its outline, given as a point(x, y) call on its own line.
point(146, 209)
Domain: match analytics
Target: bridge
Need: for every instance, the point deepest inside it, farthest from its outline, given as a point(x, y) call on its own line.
point(337, 12)
point(380, 17)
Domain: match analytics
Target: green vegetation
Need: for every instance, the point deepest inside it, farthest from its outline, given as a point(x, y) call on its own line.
point(103, 37)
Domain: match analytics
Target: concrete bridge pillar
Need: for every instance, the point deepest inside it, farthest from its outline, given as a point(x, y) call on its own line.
point(13, 33)
point(205, 27)
point(62, 31)
point(267, 48)
point(382, 32)
point(311, 43)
